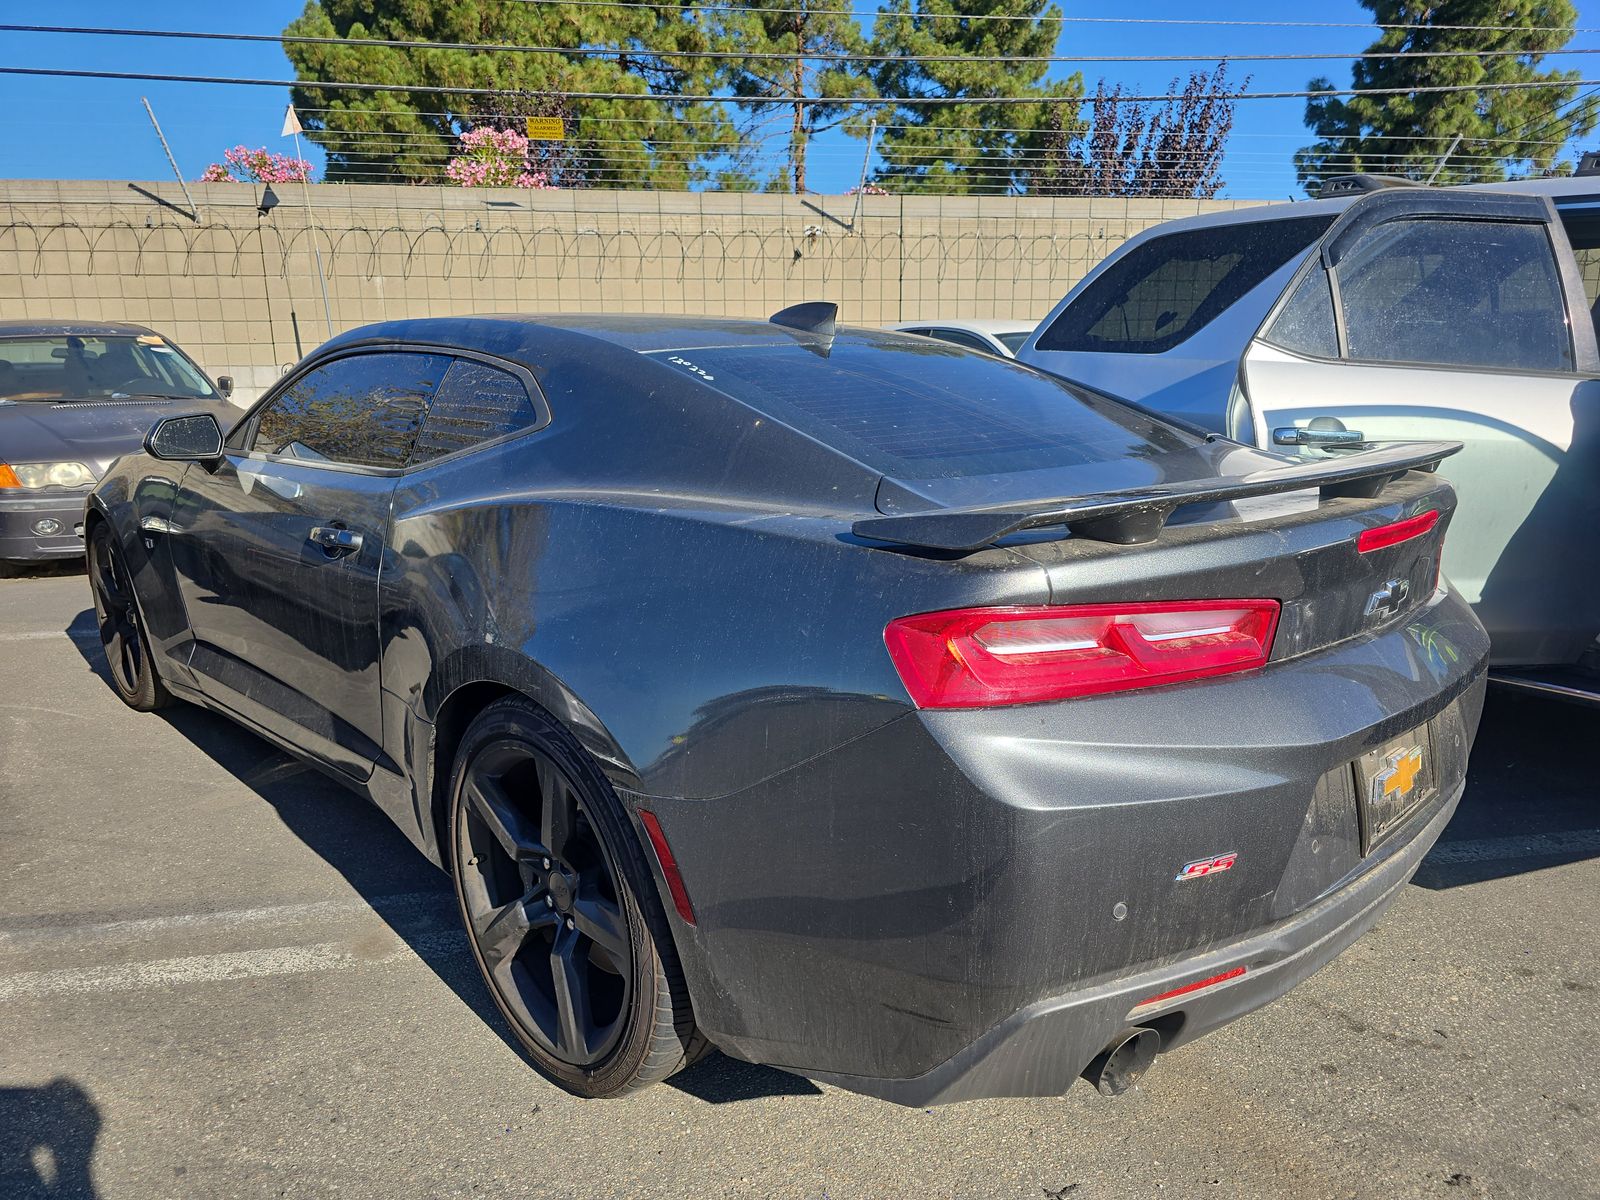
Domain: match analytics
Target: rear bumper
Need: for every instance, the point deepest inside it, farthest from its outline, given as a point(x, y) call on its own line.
point(969, 903)
point(21, 519)
point(1042, 1049)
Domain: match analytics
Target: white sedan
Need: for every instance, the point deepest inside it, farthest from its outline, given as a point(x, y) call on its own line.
point(992, 337)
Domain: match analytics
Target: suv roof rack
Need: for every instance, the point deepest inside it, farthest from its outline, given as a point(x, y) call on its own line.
point(1346, 185)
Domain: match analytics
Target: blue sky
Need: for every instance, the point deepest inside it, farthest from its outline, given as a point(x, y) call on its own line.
point(96, 129)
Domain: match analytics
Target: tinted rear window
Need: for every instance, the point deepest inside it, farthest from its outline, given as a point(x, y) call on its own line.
point(1161, 293)
point(925, 410)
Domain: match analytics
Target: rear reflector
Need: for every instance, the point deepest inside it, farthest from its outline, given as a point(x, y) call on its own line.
point(1401, 531)
point(669, 866)
point(984, 657)
point(1192, 987)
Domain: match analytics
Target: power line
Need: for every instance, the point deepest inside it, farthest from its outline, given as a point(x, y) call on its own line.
point(774, 56)
point(808, 101)
point(1301, 134)
point(1062, 20)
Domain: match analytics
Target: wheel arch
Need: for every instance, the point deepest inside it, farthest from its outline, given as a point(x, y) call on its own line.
point(467, 683)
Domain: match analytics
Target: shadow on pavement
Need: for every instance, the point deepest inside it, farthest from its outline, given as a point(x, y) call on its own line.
point(412, 895)
point(51, 569)
point(718, 1079)
point(47, 1138)
point(1531, 799)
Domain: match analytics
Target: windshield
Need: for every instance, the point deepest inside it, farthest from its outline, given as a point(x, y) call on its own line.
point(919, 409)
point(72, 367)
point(1013, 341)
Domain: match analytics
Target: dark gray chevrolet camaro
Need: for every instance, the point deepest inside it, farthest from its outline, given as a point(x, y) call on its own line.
point(74, 397)
point(882, 711)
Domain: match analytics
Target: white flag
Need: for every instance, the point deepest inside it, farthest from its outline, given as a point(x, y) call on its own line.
point(291, 123)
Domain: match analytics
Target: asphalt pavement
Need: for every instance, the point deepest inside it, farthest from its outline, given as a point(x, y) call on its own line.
point(221, 975)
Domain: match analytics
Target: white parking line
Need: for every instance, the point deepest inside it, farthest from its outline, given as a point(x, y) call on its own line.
point(213, 968)
point(400, 905)
point(45, 635)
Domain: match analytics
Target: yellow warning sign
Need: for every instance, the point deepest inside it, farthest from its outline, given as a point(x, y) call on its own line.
point(547, 129)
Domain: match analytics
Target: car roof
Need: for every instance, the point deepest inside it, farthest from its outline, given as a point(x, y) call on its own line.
point(1557, 188)
point(977, 325)
point(641, 333)
point(1570, 187)
point(35, 328)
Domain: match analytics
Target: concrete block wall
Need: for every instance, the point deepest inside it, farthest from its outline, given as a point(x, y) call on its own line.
point(240, 290)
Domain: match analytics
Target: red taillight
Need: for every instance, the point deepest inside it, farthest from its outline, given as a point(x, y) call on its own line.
point(1192, 987)
point(669, 865)
point(979, 657)
point(1400, 531)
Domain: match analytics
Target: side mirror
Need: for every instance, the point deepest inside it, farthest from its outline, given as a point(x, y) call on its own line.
point(225, 385)
point(185, 439)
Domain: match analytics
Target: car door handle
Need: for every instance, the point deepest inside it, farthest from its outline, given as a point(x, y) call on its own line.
point(1290, 436)
point(336, 540)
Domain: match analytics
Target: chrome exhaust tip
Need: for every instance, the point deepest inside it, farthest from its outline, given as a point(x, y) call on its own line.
point(1118, 1067)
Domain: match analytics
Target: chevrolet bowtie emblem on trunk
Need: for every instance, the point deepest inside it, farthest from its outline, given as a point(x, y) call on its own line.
point(1389, 599)
point(1399, 775)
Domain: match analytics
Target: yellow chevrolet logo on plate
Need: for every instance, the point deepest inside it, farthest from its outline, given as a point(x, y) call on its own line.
point(1400, 776)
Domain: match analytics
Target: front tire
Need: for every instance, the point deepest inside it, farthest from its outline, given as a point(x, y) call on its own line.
point(133, 670)
point(561, 909)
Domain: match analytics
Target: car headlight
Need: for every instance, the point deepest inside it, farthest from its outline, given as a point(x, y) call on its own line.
point(43, 475)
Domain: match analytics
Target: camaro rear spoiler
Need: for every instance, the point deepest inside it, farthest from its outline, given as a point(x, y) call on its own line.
point(1136, 515)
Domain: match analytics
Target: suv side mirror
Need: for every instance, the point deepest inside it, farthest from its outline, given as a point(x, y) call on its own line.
point(225, 385)
point(185, 439)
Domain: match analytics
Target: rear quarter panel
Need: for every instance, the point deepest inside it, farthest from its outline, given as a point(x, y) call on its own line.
point(695, 646)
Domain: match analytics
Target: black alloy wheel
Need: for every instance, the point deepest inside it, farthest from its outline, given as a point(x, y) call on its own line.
point(561, 909)
point(133, 675)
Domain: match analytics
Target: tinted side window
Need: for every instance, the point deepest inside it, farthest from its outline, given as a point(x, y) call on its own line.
point(1156, 296)
point(475, 403)
point(1305, 324)
point(364, 410)
point(1457, 293)
point(1583, 232)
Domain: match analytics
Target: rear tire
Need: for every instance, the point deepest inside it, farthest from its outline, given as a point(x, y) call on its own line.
point(561, 908)
point(122, 636)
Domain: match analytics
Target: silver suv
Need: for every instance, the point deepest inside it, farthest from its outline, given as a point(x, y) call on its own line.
point(1380, 314)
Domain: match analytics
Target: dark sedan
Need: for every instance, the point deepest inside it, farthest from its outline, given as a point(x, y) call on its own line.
point(858, 704)
point(74, 396)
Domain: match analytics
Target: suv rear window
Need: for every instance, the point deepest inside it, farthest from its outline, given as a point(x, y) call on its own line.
point(928, 410)
point(1160, 294)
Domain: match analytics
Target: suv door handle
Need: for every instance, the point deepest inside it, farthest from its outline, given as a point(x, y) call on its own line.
point(1290, 436)
point(336, 540)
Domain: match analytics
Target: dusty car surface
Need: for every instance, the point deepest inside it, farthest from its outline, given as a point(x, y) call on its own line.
point(992, 336)
point(75, 396)
point(886, 712)
point(1390, 313)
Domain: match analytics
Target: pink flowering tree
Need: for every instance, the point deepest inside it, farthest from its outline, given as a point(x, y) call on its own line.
point(489, 157)
point(868, 189)
point(244, 165)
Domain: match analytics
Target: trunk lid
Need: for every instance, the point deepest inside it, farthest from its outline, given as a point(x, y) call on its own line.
point(1296, 548)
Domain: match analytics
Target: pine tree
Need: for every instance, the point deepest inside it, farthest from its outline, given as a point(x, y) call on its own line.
point(969, 147)
point(1415, 134)
point(410, 135)
point(768, 28)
